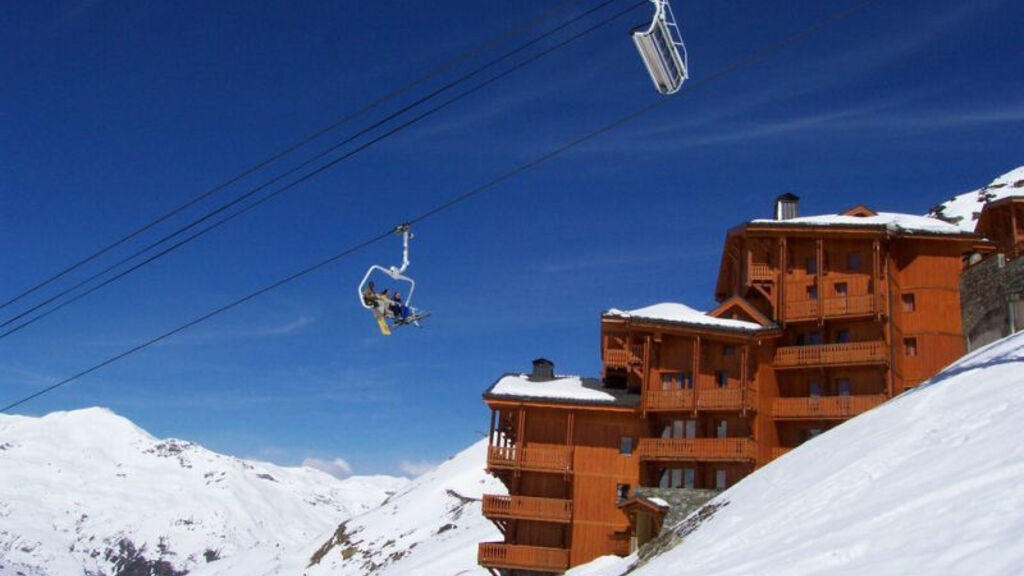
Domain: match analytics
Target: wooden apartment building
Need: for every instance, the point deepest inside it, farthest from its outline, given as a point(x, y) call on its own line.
point(819, 319)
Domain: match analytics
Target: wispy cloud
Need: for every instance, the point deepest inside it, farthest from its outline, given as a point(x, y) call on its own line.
point(336, 467)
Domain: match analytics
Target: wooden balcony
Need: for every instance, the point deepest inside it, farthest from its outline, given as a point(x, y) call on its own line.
point(848, 354)
point(527, 508)
point(719, 399)
point(824, 408)
point(860, 305)
point(697, 449)
point(668, 400)
point(512, 556)
point(535, 457)
point(623, 357)
point(761, 272)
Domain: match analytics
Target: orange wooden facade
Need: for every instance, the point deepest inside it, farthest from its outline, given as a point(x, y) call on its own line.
point(840, 320)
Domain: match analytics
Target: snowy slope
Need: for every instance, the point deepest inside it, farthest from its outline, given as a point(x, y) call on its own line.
point(430, 528)
point(931, 482)
point(89, 492)
point(963, 210)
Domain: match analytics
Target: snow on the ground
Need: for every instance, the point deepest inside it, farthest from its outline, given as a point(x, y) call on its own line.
point(431, 528)
point(675, 312)
point(965, 208)
point(909, 223)
point(931, 482)
point(87, 491)
point(561, 388)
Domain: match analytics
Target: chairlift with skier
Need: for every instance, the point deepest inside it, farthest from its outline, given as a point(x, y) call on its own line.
point(390, 310)
point(661, 47)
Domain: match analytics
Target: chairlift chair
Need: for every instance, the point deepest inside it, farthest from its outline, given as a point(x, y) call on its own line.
point(662, 50)
point(397, 274)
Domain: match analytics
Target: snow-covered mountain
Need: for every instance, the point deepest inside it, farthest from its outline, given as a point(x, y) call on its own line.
point(931, 482)
point(430, 528)
point(88, 492)
point(963, 210)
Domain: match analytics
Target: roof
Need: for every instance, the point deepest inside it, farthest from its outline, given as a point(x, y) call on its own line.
point(681, 314)
point(890, 221)
point(563, 389)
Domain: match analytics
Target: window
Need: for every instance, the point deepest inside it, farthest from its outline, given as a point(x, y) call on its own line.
point(622, 491)
point(722, 430)
point(842, 289)
point(687, 380)
point(626, 446)
point(909, 302)
point(843, 336)
point(722, 378)
point(671, 478)
point(814, 389)
point(720, 479)
point(853, 261)
point(729, 350)
point(814, 338)
point(910, 346)
point(688, 478)
point(691, 429)
point(812, 292)
point(813, 432)
point(843, 386)
point(812, 264)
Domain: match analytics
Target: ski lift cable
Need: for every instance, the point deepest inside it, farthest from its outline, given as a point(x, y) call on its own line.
point(483, 47)
point(747, 61)
point(300, 167)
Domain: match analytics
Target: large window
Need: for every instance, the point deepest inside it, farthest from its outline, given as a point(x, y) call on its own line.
point(853, 261)
point(720, 478)
point(626, 445)
point(843, 386)
point(722, 378)
point(814, 389)
point(812, 264)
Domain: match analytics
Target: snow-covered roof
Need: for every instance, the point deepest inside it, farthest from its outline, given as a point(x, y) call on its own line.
point(683, 314)
point(658, 502)
point(571, 388)
point(908, 223)
point(964, 209)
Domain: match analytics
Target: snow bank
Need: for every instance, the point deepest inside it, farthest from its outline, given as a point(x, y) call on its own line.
point(965, 208)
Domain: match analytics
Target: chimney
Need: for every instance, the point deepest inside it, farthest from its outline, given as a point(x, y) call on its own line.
point(786, 206)
point(543, 370)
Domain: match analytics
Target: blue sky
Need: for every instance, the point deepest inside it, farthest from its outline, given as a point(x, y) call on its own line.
point(113, 112)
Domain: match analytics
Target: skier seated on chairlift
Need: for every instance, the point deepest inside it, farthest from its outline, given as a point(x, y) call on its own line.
point(398, 309)
point(381, 303)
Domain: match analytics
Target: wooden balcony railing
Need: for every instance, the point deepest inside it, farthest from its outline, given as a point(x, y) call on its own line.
point(677, 400)
point(858, 305)
point(512, 556)
point(624, 357)
point(668, 400)
point(537, 457)
point(700, 449)
point(761, 272)
point(851, 353)
point(837, 407)
point(527, 508)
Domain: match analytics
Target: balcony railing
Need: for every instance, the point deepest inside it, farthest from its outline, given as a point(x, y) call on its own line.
point(512, 556)
point(851, 353)
point(837, 407)
point(700, 449)
point(527, 508)
point(678, 400)
point(537, 457)
point(623, 357)
point(858, 305)
point(761, 272)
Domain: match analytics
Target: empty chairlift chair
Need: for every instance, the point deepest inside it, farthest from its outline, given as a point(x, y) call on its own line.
point(661, 47)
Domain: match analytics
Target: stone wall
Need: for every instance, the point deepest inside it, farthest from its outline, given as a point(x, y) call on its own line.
point(992, 300)
point(682, 501)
